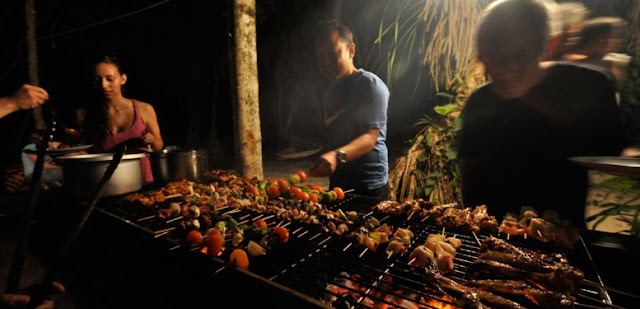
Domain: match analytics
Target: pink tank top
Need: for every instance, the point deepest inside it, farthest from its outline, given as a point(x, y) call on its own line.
point(132, 138)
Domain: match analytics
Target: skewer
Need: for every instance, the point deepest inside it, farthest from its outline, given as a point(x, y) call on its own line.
point(302, 233)
point(314, 236)
point(411, 215)
point(165, 230)
point(595, 284)
point(221, 208)
point(525, 235)
point(539, 234)
point(412, 260)
point(347, 247)
point(443, 231)
point(409, 227)
point(348, 191)
point(385, 218)
point(325, 240)
point(368, 214)
point(195, 249)
point(232, 211)
point(146, 218)
point(285, 225)
point(174, 219)
point(268, 217)
point(365, 250)
point(161, 234)
point(297, 230)
point(425, 218)
point(174, 247)
point(220, 269)
point(508, 236)
point(389, 255)
point(279, 224)
point(258, 217)
point(243, 222)
point(244, 217)
point(476, 236)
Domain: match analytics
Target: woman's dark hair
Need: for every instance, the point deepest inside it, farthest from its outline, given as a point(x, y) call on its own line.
point(598, 28)
point(96, 122)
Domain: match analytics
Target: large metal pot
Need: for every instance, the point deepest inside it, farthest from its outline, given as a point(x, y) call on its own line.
point(172, 164)
point(82, 173)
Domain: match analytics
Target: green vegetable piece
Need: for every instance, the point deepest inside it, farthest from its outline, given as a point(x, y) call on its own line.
point(222, 226)
point(194, 202)
point(233, 224)
point(210, 205)
point(341, 215)
point(374, 221)
point(375, 236)
point(294, 179)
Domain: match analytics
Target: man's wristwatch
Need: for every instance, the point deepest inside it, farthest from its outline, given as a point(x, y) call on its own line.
point(341, 156)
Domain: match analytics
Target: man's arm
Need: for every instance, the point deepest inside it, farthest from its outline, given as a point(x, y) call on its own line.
point(355, 149)
point(26, 97)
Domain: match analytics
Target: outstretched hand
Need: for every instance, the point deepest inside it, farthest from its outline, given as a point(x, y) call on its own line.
point(29, 96)
point(23, 299)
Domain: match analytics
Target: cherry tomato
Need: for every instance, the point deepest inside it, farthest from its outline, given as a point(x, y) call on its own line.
point(339, 192)
point(282, 233)
point(273, 191)
point(313, 198)
point(271, 180)
point(239, 258)
point(303, 196)
point(194, 238)
point(260, 223)
point(283, 185)
point(316, 187)
point(293, 190)
point(303, 176)
point(214, 243)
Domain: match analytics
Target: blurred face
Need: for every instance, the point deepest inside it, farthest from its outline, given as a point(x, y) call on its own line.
point(335, 55)
point(513, 68)
point(109, 80)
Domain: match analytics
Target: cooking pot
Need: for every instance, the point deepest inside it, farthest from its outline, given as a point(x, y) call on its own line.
point(172, 164)
point(82, 173)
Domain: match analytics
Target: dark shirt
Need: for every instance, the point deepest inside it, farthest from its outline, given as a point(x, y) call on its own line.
point(517, 150)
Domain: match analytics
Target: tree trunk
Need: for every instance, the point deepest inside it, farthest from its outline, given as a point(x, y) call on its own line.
point(244, 83)
point(32, 57)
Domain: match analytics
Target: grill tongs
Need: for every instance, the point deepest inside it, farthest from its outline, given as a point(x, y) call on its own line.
point(39, 293)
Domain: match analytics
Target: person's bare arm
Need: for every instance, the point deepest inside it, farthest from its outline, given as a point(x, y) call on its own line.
point(26, 97)
point(328, 162)
point(152, 135)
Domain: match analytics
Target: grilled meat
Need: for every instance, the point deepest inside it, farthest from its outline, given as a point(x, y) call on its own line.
point(497, 244)
point(555, 280)
point(421, 257)
point(469, 297)
point(544, 299)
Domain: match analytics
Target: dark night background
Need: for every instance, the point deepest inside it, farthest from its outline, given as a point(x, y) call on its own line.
point(176, 58)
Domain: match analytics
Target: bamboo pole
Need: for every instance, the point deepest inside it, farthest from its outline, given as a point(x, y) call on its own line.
point(32, 58)
point(244, 81)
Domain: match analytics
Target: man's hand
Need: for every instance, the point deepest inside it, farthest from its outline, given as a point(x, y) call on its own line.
point(29, 96)
point(325, 165)
point(21, 300)
point(13, 181)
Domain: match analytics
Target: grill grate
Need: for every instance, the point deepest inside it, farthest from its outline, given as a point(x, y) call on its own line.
point(325, 269)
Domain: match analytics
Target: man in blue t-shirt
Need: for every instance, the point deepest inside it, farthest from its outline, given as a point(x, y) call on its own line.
point(355, 114)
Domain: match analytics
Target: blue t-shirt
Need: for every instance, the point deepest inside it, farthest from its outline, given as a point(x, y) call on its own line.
point(352, 107)
point(49, 175)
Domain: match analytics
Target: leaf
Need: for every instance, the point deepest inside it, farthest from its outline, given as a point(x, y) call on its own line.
point(457, 124)
point(446, 109)
point(444, 94)
point(451, 154)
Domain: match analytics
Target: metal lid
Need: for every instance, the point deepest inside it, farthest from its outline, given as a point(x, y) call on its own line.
point(97, 157)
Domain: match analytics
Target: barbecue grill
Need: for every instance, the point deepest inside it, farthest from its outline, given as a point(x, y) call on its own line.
point(315, 269)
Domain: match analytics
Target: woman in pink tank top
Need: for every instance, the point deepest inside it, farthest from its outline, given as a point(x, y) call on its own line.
point(122, 120)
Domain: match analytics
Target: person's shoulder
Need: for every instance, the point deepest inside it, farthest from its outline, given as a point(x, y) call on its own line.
point(579, 71)
point(144, 106)
point(481, 95)
point(371, 79)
